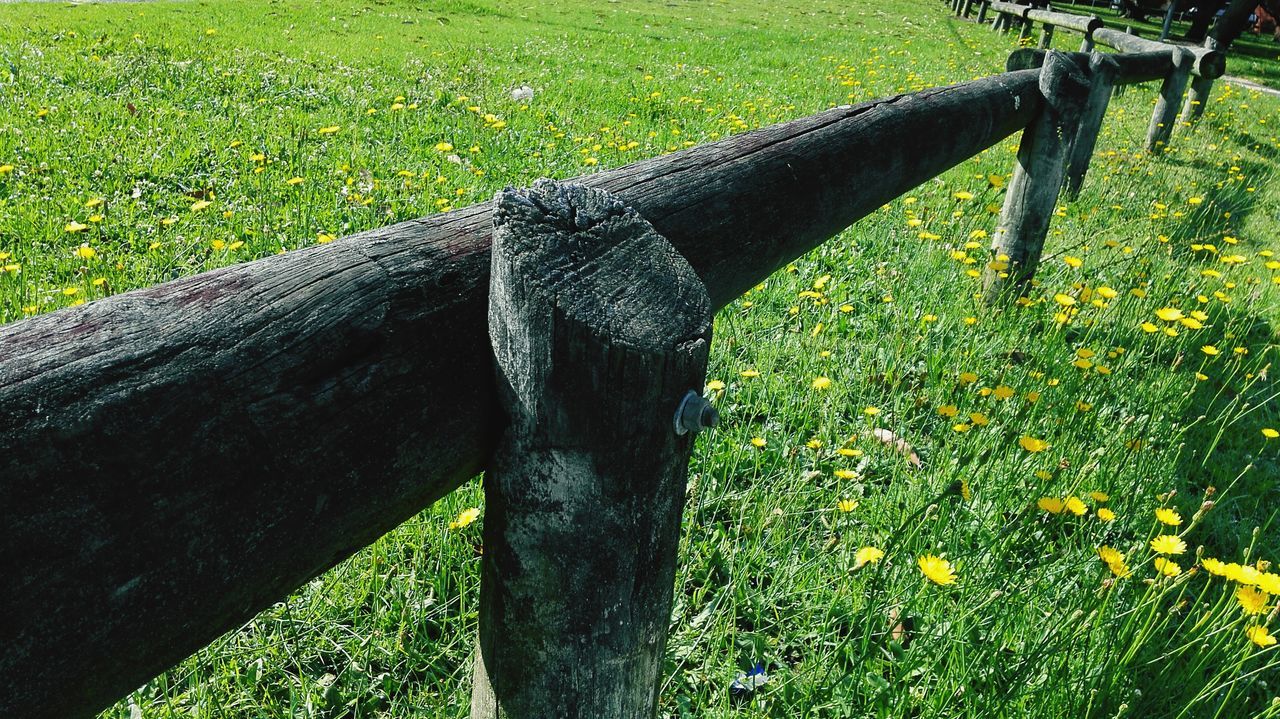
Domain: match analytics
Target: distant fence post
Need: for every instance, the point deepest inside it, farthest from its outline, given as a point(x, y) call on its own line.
point(983, 7)
point(1102, 76)
point(1037, 178)
point(1166, 111)
point(600, 332)
point(966, 9)
point(1046, 37)
point(1198, 92)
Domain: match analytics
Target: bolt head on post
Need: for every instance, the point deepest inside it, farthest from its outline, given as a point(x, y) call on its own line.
point(695, 414)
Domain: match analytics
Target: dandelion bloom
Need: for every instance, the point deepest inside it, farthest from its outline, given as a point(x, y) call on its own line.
point(1003, 392)
point(715, 385)
point(936, 569)
point(749, 373)
point(871, 411)
point(948, 410)
point(1252, 600)
point(1168, 544)
point(1214, 566)
point(444, 147)
point(294, 181)
point(1269, 583)
point(821, 383)
point(1031, 444)
point(1106, 515)
point(1168, 516)
point(1064, 300)
point(86, 252)
point(758, 442)
point(1167, 567)
point(200, 205)
point(1076, 507)
point(1110, 555)
point(1243, 574)
point(1100, 496)
point(1270, 433)
point(1210, 350)
point(968, 378)
point(1169, 314)
point(867, 555)
point(465, 517)
point(1052, 505)
point(74, 227)
point(846, 505)
point(1260, 636)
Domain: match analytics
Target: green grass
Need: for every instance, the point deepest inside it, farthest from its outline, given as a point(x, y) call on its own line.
point(153, 108)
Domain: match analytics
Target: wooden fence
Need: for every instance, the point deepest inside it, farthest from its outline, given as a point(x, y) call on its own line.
point(175, 459)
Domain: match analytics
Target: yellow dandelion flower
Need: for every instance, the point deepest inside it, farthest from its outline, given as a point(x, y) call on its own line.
point(714, 385)
point(871, 411)
point(936, 569)
point(1270, 433)
point(1110, 555)
point(1031, 444)
point(821, 383)
point(1168, 516)
point(846, 505)
point(1210, 350)
point(1169, 314)
point(330, 130)
point(1243, 574)
point(1099, 496)
point(465, 517)
point(1252, 600)
point(1214, 566)
point(1076, 507)
point(294, 181)
point(86, 252)
point(200, 205)
point(1106, 515)
point(1064, 300)
point(948, 410)
point(1167, 567)
point(1260, 636)
point(758, 442)
point(1003, 392)
point(1168, 544)
point(1052, 505)
point(1269, 583)
point(845, 473)
point(73, 227)
point(979, 419)
point(968, 378)
point(867, 555)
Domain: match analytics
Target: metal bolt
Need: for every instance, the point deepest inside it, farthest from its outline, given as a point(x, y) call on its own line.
point(695, 414)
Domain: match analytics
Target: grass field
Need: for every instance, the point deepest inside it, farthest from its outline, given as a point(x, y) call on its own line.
point(1127, 401)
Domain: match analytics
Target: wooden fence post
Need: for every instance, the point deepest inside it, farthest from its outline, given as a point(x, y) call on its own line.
point(1166, 110)
point(1198, 92)
point(600, 332)
point(1102, 76)
point(1037, 178)
point(966, 9)
point(983, 7)
point(1046, 37)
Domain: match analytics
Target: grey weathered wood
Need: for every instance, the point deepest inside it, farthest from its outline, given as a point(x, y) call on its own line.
point(983, 8)
point(1130, 67)
point(237, 432)
point(1103, 71)
point(1079, 23)
point(1206, 62)
point(1037, 178)
point(1199, 89)
point(1165, 113)
point(1046, 37)
point(1086, 44)
point(599, 328)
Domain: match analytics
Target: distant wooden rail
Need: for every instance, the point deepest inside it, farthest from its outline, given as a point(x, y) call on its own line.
point(175, 459)
point(1189, 70)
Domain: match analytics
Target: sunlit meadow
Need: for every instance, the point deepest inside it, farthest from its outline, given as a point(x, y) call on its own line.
point(916, 505)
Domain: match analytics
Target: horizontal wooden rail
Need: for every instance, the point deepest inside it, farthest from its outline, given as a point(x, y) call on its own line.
point(1080, 23)
point(1131, 67)
point(175, 459)
point(1209, 64)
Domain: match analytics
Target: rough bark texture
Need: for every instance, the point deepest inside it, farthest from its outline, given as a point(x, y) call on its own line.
point(175, 459)
point(1165, 113)
point(1037, 179)
point(1080, 23)
point(599, 328)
